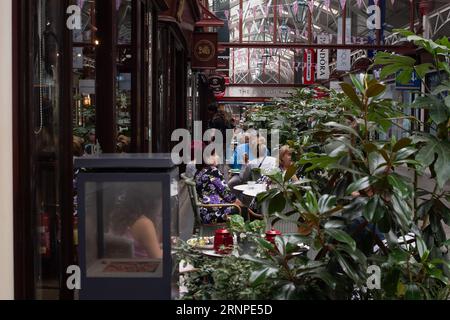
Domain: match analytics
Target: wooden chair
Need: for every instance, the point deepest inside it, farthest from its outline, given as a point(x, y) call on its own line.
point(204, 230)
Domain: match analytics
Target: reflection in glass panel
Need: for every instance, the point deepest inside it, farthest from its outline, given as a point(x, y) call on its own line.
point(124, 74)
point(46, 53)
point(150, 75)
point(88, 28)
point(124, 21)
point(84, 99)
point(123, 229)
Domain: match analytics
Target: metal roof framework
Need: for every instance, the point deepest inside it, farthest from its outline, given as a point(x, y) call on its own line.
point(278, 22)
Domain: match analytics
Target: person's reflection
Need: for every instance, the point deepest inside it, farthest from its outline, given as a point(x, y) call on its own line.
point(131, 218)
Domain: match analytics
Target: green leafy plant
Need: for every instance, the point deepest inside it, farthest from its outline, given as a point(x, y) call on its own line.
point(359, 201)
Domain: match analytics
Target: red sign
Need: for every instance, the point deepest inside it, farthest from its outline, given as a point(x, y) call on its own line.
point(204, 52)
point(220, 94)
point(309, 63)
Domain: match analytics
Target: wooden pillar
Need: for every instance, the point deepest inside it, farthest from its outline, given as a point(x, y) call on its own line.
point(412, 5)
point(137, 125)
point(106, 54)
point(66, 164)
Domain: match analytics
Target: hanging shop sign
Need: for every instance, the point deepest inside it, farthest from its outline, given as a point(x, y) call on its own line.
point(258, 92)
point(204, 53)
point(308, 66)
point(218, 92)
point(216, 83)
point(323, 68)
point(343, 61)
point(413, 84)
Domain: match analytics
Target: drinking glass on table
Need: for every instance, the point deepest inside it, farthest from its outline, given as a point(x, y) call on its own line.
point(251, 185)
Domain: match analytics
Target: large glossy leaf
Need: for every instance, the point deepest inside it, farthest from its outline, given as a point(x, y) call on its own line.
point(334, 224)
point(404, 142)
point(290, 172)
point(311, 202)
point(286, 292)
point(259, 276)
point(405, 153)
point(360, 184)
point(422, 248)
point(347, 267)
point(355, 254)
point(342, 127)
point(375, 90)
point(277, 203)
point(423, 69)
point(444, 211)
point(402, 187)
point(398, 256)
point(351, 93)
point(326, 202)
point(428, 153)
point(341, 236)
point(265, 244)
point(402, 212)
point(405, 76)
point(444, 87)
point(437, 228)
point(357, 83)
point(281, 245)
point(371, 207)
point(390, 69)
point(413, 292)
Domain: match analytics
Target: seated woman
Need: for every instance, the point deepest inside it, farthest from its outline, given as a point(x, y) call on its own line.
point(212, 189)
point(191, 168)
point(285, 156)
point(263, 163)
point(286, 161)
point(130, 219)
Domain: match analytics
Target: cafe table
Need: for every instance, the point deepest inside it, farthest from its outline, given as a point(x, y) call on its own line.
point(251, 190)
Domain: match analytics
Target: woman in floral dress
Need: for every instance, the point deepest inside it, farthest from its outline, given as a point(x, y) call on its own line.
point(212, 189)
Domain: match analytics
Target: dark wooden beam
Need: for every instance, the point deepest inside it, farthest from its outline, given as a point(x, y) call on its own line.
point(66, 162)
point(106, 127)
point(136, 76)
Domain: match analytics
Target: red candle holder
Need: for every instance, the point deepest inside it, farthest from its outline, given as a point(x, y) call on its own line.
point(223, 241)
point(271, 234)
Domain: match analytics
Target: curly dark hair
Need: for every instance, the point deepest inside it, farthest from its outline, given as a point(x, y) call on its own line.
point(131, 205)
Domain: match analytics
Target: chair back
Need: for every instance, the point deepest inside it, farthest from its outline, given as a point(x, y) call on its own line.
point(190, 183)
point(286, 226)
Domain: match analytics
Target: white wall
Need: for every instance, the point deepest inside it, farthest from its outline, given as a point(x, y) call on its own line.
point(6, 182)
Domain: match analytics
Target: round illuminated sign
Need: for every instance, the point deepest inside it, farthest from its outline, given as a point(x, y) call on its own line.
point(204, 50)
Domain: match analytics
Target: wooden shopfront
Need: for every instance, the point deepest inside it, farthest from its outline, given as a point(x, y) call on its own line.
point(80, 66)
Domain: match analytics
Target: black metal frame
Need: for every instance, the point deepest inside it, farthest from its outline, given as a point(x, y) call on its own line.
point(128, 288)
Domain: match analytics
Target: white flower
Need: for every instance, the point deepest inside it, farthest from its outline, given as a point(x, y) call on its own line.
point(243, 235)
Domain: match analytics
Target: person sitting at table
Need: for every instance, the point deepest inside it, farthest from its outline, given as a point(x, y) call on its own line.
point(263, 163)
point(134, 218)
point(212, 189)
point(191, 167)
point(286, 161)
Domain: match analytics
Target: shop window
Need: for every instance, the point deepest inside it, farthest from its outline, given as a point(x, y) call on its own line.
point(85, 44)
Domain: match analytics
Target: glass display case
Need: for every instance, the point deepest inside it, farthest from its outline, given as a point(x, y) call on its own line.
point(128, 216)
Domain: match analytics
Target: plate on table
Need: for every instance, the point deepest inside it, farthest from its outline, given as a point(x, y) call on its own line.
point(203, 243)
